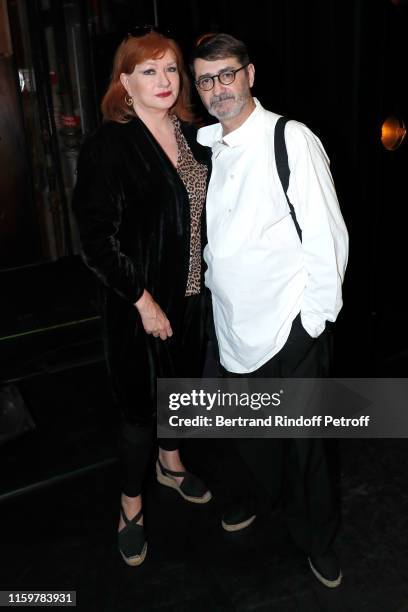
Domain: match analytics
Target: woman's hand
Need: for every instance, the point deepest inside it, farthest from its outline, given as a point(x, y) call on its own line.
point(153, 318)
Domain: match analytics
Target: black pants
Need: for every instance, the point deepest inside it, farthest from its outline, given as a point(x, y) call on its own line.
point(295, 471)
point(182, 356)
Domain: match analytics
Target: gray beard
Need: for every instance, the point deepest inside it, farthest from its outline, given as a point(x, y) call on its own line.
point(240, 101)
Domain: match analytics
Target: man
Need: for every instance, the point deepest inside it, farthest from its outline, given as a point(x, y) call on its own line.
point(275, 277)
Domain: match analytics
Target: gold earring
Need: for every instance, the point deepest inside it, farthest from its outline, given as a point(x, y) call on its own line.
point(129, 100)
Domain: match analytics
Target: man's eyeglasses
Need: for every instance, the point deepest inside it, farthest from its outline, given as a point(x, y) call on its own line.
point(226, 77)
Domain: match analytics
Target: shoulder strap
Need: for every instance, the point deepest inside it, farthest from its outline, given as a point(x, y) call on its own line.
point(282, 165)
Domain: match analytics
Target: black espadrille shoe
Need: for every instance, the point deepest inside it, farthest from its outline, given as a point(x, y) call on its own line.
point(191, 489)
point(326, 568)
point(131, 540)
point(237, 516)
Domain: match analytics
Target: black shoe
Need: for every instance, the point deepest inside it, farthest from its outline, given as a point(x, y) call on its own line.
point(237, 516)
point(131, 540)
point(326, 568)
point(192, 488)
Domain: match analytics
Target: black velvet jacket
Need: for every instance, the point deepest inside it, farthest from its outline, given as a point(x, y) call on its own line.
point(133, 212)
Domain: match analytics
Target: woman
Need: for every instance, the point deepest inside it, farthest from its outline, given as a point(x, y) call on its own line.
point(139, 201)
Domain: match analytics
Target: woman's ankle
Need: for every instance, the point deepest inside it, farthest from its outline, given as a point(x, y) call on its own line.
point(171, 459)
point(131, 506)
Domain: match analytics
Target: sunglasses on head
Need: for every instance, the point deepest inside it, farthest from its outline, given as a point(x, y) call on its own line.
point(142, 30)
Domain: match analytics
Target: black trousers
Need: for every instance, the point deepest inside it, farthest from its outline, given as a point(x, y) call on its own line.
point(294, 471)
point(182, 356)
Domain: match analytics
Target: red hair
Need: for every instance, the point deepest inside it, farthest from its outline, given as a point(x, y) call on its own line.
point(136, 50)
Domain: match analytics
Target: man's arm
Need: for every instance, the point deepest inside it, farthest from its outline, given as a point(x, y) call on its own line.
point(324, 234)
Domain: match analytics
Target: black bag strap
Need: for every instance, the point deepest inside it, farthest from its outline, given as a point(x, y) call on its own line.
point(282, 165)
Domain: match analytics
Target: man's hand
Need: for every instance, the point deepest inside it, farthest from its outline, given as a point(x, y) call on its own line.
point(153, 318)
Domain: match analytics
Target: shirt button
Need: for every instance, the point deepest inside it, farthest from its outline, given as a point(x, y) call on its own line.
point(231, 176)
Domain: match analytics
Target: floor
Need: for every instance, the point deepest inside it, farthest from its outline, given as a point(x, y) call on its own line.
point(59, 525)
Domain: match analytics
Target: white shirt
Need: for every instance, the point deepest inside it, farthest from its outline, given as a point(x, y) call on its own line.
point(259, 273)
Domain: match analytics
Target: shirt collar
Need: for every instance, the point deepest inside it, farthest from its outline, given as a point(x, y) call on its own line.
point(211, 135)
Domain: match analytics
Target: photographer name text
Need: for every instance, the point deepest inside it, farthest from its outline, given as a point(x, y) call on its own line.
point(269, 421)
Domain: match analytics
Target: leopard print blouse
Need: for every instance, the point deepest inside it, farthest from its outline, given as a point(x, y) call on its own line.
point(194, 176)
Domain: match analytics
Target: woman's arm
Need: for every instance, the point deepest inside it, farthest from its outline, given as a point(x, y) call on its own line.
point(98, 207)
